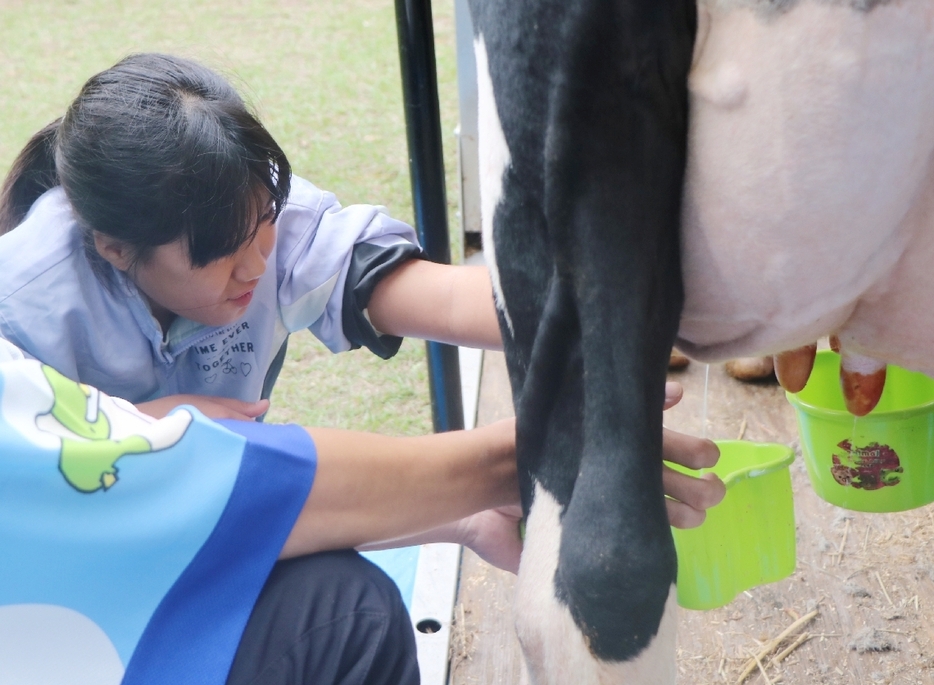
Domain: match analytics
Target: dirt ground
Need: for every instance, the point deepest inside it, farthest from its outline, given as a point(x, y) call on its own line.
point(868, 577)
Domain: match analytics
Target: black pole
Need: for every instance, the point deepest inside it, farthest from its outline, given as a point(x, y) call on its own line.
point(426, 167)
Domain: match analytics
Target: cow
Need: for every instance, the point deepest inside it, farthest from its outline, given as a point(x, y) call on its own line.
point(798, 198)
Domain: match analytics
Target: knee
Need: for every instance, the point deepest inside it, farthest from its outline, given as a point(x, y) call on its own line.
point(332, 617)
point(364, 586)
point(336, 585)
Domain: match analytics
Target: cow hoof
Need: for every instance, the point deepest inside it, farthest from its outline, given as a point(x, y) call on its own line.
point(751, 368)
point(677, 361)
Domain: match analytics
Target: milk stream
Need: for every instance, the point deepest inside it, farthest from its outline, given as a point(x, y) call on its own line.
point(704, 406)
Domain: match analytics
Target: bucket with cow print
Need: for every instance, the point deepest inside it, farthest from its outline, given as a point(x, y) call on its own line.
point(880, 462)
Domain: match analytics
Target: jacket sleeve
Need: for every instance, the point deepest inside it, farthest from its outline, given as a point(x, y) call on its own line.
point(329, 260)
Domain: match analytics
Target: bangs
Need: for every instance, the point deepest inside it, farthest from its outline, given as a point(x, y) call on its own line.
point(233, 171)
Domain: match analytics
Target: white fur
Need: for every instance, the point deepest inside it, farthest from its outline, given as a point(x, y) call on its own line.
point(494, 160)
point(555, 650)
point(809, 198)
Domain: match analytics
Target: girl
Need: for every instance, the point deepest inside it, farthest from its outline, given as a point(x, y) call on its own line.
point(163, 252)
point(163, 248)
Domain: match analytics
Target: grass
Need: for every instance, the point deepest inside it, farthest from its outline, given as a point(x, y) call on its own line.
point(324, 78)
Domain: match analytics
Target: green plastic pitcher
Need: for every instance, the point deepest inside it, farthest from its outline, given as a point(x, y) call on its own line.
point(746, 540)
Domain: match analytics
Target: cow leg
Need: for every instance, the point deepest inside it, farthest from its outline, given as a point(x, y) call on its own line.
point(554, 647)
point(583, 112)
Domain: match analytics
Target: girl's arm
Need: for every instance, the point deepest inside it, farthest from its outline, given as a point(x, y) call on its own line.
point(369, 488)
point(449, 304)
point(374, 492)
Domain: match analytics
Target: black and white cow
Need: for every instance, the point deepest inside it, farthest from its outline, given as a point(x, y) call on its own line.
point(809, 188)
point(583, 134)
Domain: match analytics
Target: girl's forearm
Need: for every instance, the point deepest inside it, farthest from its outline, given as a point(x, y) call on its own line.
point(372, 488)
point(450, 304)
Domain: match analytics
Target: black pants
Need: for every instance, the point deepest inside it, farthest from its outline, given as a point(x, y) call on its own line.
point(327, 619)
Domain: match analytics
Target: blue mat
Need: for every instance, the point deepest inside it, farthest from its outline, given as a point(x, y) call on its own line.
point(399, 564)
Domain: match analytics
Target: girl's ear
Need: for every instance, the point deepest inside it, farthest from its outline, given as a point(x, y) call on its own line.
point(114, 250)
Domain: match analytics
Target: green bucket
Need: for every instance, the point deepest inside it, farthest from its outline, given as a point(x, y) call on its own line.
point(746, 540)
point(883, 461)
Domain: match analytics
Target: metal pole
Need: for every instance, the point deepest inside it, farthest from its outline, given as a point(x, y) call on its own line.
point(426, 167)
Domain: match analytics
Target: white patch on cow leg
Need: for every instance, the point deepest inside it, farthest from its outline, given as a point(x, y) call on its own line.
point(555, 650)
point(494, 160)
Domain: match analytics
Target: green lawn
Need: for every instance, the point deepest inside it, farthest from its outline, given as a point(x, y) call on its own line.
point(324, 77)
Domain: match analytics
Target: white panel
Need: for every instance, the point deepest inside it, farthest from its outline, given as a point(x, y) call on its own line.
point(433, 609)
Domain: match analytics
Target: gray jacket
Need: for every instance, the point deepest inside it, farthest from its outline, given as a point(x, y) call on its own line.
point(326, 261)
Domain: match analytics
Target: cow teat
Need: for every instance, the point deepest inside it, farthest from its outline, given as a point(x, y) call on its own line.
point(793, 368)
point(862, 380)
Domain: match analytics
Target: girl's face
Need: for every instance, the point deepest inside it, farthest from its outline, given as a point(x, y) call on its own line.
point(215, 294)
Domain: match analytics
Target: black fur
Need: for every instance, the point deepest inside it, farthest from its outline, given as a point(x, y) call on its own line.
point(592, 96)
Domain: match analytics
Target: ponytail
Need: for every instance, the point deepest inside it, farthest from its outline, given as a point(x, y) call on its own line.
point(33, 172)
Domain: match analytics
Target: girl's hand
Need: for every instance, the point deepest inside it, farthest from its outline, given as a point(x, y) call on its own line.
point(494, 536)
point(688, 496)
point(212, 407)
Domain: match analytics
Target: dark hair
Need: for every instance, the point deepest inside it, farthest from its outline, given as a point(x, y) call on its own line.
point(155, 149)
